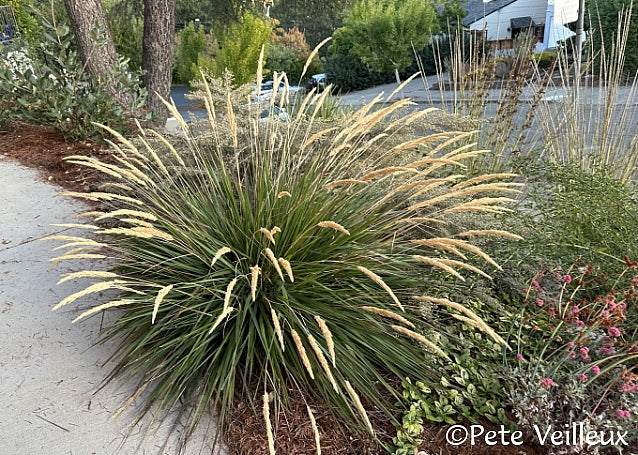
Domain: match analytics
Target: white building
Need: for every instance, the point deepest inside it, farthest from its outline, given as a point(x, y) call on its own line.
point(501, 20)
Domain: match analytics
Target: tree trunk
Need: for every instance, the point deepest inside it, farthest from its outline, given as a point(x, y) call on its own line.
point(95, 45)
point(157, 53)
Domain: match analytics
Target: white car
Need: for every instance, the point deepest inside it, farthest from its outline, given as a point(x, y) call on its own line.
point(267, 90)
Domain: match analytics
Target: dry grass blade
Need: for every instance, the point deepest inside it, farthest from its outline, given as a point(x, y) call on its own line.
point(158, 300)
point(155, 156)
point(385, 171)
point(254, 278)
point(302, 353)
point(97, 287)
point(169, 146)
point(56, 260)
point(260, 69)
point(421, 338)
point(69, 238)
point(283, 194)
point(225, 312)
point(87, 274)
point(359, 406)
point(130, 400)
point(269, 433)
point(437, 262)
point(127, 212)
point(286, 266)
point(476, 321)
point(479, 324)
point(218, 254)
point(316, 136)
point(142, 232)
point(312, 55)
point(315, 430)
point(277, 326)
point(229, 292)
point(337, 183)
point(104, 306)
point(232, 120)
point(327, 334)
point(323, 362)
point(388, 314)
point(96, 196)
point(333, 225)
point(274, 262)
point(483, 178)
point(495, 232)
point(377, 279)
point(268, 234)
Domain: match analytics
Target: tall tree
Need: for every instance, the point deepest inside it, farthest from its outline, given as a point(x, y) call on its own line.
point(157, 52)
point(385, 33)
point(97, 52)
point(95, 45)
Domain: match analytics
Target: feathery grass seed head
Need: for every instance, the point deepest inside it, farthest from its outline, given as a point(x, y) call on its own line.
point(302, 353)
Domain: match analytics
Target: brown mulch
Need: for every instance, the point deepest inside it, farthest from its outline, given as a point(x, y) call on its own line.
point(293, 431)
point(43, 149)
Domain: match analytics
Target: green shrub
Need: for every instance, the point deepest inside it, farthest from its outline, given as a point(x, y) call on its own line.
point(288, 52)
point(349, 73)
point(546, 59)
point(570, 213)
point(238, 49)
point(48, 86)
point(28, 26)
point(614, 22)
point(271, 257)
point(191, 44)
point(126, 24)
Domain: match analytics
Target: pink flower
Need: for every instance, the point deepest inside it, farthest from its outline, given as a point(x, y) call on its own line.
point(547, 382)
point(582, 377)
point(540, 302)
point(605, 314)
point(572, 355)
point(535, 284)
point(607, 350)
point(579, 323)
point(623, 413)
point(613, 332)
point(628, 387)
point(575, 309)
point(520, 357)
point(622, 305)
point(571, 344)
point(634, 280)
point(595, 369)
point(567, 278)
point(584, 351)
point(612, 306)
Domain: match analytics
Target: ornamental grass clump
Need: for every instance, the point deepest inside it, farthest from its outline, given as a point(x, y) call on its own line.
point(287, 261)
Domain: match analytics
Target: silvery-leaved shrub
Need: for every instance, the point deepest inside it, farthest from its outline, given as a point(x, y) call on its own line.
point(47, 85)
point(287, 257)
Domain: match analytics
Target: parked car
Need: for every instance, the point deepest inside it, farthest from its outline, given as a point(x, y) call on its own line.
point(317, 81)
point(267, 90)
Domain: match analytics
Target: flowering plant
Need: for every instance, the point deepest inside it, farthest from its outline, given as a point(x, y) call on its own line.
point(577, 339)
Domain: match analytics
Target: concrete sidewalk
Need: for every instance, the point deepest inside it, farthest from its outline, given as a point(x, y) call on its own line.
point(50, 368)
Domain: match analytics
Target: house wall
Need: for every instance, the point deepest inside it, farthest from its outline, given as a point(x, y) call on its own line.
point(498, 23)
